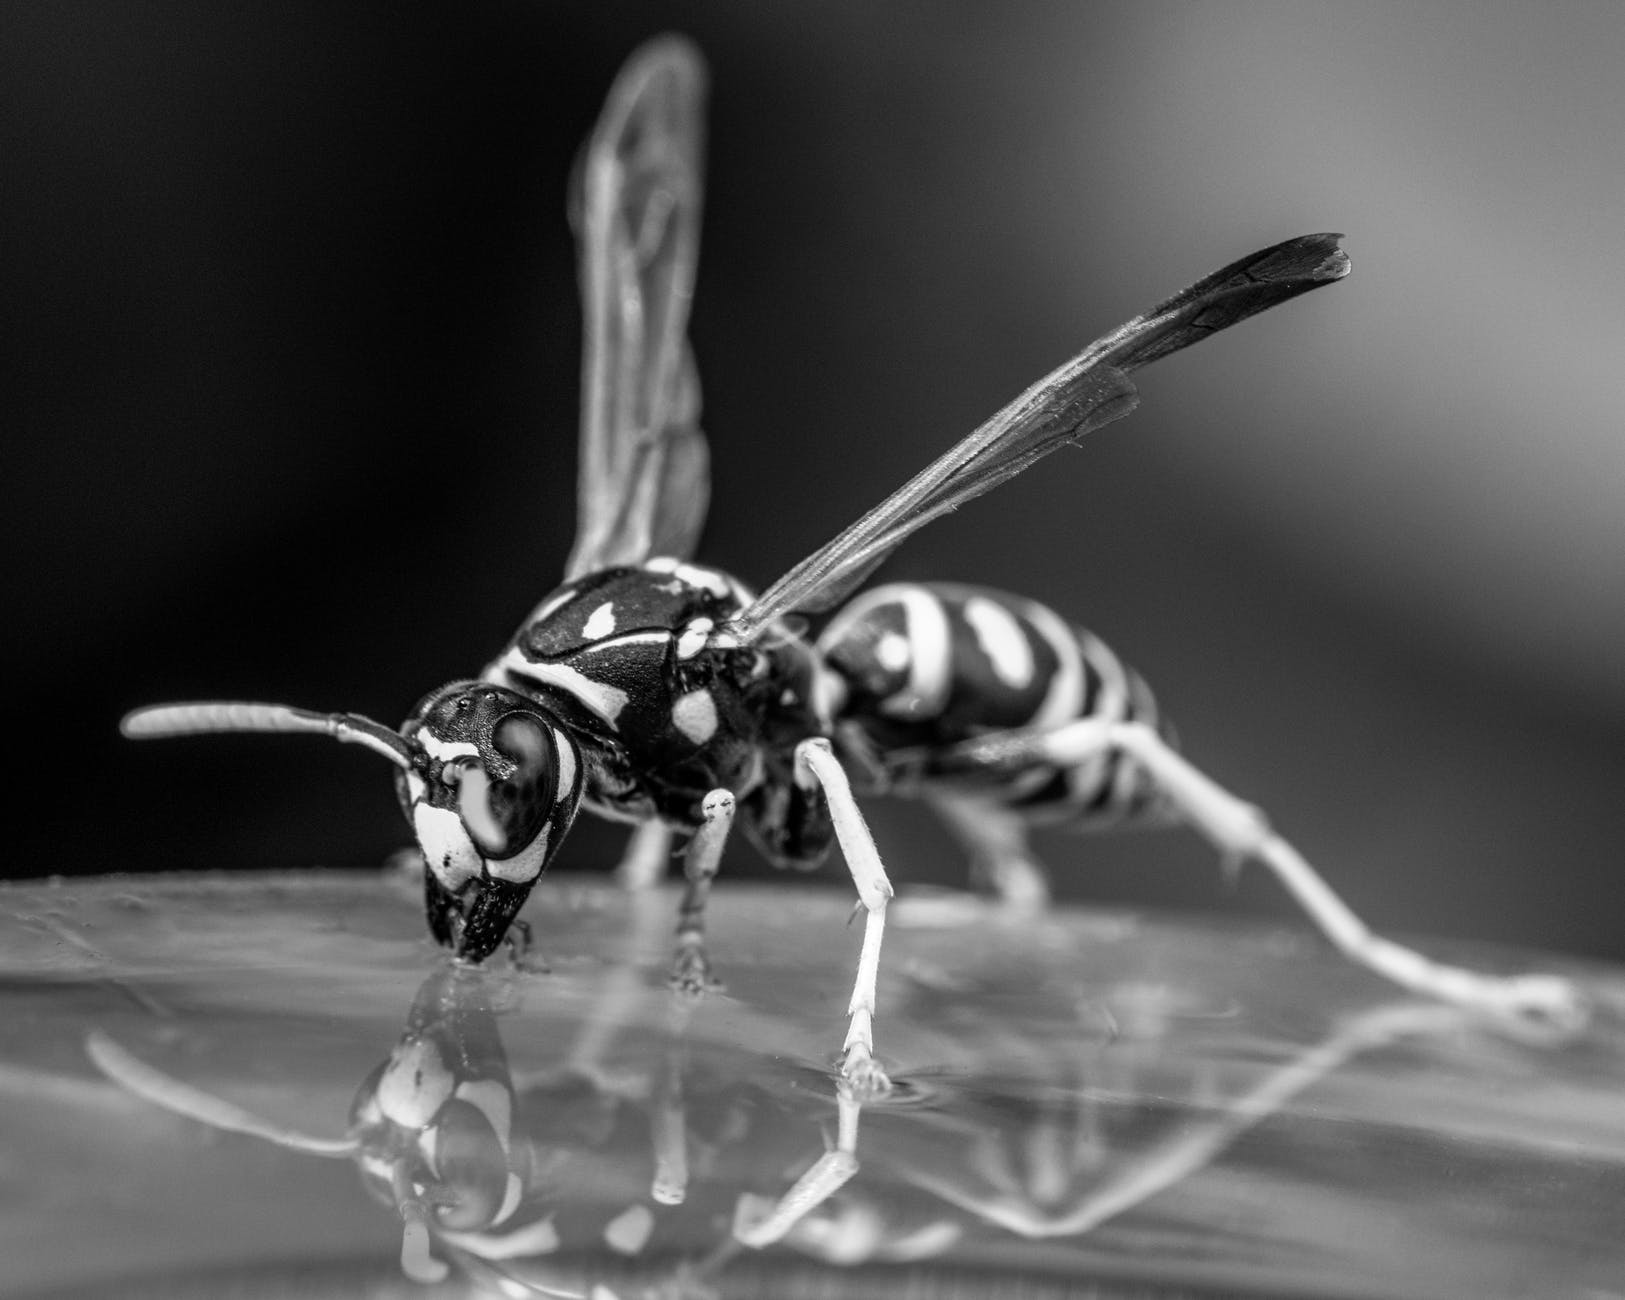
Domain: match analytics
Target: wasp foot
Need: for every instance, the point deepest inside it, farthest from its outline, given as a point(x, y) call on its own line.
point(691, 974)
point(864, 1075)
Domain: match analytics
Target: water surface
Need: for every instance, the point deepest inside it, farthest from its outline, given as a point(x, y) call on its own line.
point(275, 1080)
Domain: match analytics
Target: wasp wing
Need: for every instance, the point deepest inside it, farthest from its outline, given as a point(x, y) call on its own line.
point(644, 472)
point(1091, 390)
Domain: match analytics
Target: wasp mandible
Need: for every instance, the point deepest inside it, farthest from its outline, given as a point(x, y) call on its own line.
point(654, 690)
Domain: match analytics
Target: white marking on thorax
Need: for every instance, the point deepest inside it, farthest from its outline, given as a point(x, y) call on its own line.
point(628, 1231)
point(447, 849)
point(692, 639)
point(604, 700)
point(1002, 640)
point(600, 623)
point(717, 583)
point(695, 715)
point(1065, 696)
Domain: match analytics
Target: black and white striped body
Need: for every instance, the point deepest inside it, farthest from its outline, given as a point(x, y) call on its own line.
point(666, 706)
point(928, 666)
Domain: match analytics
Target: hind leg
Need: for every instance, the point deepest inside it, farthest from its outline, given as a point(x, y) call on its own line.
point(995, 840)
point(1241, 832)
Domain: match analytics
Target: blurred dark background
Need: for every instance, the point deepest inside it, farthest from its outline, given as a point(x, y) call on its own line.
point(290, 364)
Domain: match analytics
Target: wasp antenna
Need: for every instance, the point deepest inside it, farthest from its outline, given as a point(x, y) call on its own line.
point(204, 716)
point(138, 1078)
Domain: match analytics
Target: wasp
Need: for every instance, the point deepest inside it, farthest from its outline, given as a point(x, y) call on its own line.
point(654, 690)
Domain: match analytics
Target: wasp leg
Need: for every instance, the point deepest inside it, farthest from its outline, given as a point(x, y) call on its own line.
point(816, 758)
point(756, 1225)
point(691, 973)
point(1241, 832)
point(668, 1130)
point(1191, 1147)
point(995, 839)
point(643, 865)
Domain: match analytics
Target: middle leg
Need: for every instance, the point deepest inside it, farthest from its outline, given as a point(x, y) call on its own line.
point(691, 971)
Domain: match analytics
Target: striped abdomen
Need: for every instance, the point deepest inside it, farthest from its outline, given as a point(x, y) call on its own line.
point(929, 665)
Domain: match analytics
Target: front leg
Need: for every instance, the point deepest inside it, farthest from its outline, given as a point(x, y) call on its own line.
point(816, 761)
point(691, 972)
point(1241, 832)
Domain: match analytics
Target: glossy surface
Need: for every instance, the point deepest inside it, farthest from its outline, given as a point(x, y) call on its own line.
point(1086, 1104)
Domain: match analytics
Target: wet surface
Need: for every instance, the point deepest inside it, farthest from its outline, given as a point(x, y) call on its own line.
point(279, 1081)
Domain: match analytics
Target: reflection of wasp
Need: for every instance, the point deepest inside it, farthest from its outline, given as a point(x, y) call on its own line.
point(612, 1152)
point(431, 1128)
point(649, 1151)
point(664, 693)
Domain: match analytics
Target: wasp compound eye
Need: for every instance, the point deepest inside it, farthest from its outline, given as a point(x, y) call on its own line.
point(474, 805)
point(523, 799)
point(472, 1162)
point(506, 814)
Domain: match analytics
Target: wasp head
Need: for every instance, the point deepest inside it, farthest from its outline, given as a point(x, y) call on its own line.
point(489, 779)
point(492, 787)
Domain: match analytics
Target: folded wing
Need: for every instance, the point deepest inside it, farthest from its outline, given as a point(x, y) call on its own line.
point(1089, 391)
